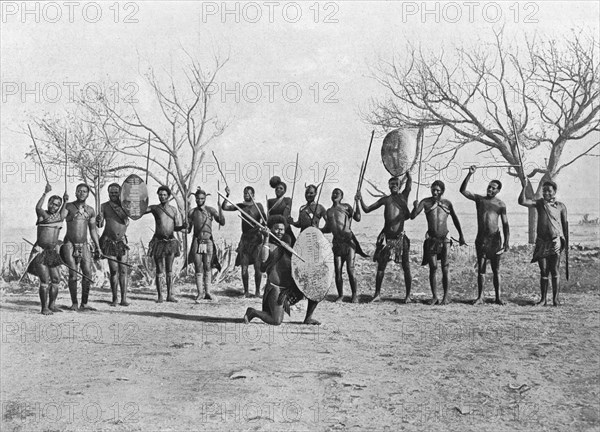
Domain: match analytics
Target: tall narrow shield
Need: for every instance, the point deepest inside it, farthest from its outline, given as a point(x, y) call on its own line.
point(134, 197)
point(399, 151)
point(315, 274)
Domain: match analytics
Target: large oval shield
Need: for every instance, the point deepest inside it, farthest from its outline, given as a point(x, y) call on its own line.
point(315, 274)
point(399, 151)
point(134, 197)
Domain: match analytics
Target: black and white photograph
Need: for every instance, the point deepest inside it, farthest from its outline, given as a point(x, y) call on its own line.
point(300, 216)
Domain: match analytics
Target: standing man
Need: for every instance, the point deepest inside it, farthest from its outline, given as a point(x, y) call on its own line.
point(397, 244)
point(45, 264)
point(203, 250)
point(310, 213)
point(113, 241)
point(345, 244)
point(437, 243)
point(248, 251)
point(281, 290)
point(552, 237)
point(488, 243)
point(164, 247)
point(75, 250)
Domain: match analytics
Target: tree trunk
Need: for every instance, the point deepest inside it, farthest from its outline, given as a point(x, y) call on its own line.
point(532, 214)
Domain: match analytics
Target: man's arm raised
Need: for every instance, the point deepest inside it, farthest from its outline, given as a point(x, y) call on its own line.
point(523, 200)
point(39, 207)
point(218, 216)
point(463, 186)
point(369, 209)
point(407, 186)
point(417, 208)
point(226, 205)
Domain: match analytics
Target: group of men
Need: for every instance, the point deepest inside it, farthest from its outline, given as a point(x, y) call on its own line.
point(267, 241)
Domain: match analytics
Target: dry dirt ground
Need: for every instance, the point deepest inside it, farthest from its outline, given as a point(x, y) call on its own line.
point(369, 367)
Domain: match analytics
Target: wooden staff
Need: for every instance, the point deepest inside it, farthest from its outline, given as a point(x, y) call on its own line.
point(66, 163)
point(38, 153)
point(257, 209)
point(294, 184)
point(250, 219)
point(148, 158)
point(422, 135)
point(98, 190)
point(360, 174)
point(117, 261)
point(219, 202)
point(319, 196)
point(219, 168)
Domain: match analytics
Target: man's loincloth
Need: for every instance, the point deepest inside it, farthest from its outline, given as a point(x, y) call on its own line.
point(81, 252)
point(394, 248)
point(116, 248)
point(342, 246)
point(288, 296)
point(159, 248)
point(205, 246)
point(435, 247)
point(48, 257)
point(249, 245)
point(488, 246)
point(546, 248)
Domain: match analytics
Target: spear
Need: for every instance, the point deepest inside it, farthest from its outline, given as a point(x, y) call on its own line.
point(148, 158)
point(422, 135)
point(219, 168)
point(66, 162)
point(319, 197)
point(38, 153)
point(294, 184)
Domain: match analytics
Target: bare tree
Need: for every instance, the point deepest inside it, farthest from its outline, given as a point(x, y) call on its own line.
point(551, 88)
point(79, 141)
point(178, 134)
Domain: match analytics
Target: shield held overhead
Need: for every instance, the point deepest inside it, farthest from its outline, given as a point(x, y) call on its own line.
point(314, 276)
point(399, 151)
point(134, 197)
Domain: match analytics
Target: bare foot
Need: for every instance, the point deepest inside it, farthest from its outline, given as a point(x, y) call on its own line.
point(446, 300)
point(247, 295)
point(84, 307)
point(500, 302)
point(113, 303)
point(408, 299)
point(53, 308)
point(171, 299)
point(478, 301)
point(124, 303)
point(376, 298)
point(248, 316)
point(257, 294)
point(160, 299)
point(74, 307)
point(197, 297)
point(556, 302)
point(311, 321)
point(354, 299)
point(433, 301)
point(339, 298)
point(207, 296)
point(541, 303)
point(46, 311)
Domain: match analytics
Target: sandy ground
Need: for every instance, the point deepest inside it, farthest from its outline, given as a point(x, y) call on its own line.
point(386, 366)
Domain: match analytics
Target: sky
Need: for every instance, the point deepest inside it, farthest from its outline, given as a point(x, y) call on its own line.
point(299, 79)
